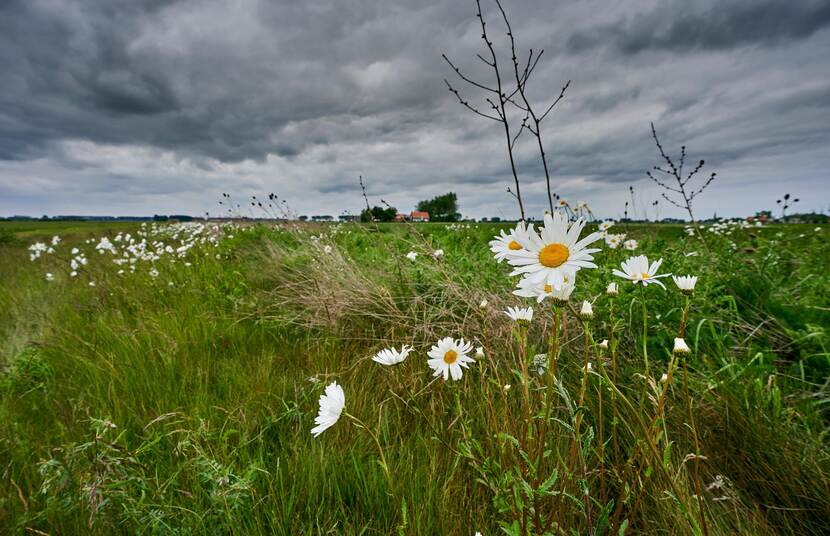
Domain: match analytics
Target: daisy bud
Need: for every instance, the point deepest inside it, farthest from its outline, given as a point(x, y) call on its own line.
point(612, 289)
point(680, 346)
point(507, 387)
point(587, 311)
point(686, 284)
point(483, 304)
point(664, 377)
point(604, 344)
point(480, 352)
point(519, 314)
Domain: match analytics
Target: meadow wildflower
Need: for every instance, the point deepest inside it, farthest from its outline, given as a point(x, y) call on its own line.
point(520, 314)
point(603, 344)
point(390, 356)
point(637, 270)
point(412, 255)
point(612, 289)
point(483, 304)
point(50, 276)
point(686, 284)
point(331, 406)
point(604, 226)
point(505, 245)
point(630, 244)
point(587, 311)
point(448, 356)
point(480, 352)
point(438, 254)
point(555, 252)
point(680, 346)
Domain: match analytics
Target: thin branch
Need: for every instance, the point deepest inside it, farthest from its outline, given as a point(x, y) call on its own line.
point(468, 80)
point(559, 98)
point(467, 104)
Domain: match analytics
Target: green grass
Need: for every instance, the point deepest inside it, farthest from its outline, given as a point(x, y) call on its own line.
point(182, 404)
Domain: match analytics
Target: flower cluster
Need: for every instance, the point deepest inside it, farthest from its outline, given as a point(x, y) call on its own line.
point(548, 259)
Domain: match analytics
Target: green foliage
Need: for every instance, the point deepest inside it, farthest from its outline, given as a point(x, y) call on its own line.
point(378, 214)
point(443, 208)
point(182, 404)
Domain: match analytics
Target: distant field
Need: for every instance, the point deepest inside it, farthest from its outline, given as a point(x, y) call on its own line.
point(168, 384)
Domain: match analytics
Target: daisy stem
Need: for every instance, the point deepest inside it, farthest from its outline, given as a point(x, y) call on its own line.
point(553, 351)
point(612, 344)
point(682, 331)
point(693, 426)
point(577, 445)
point(522, 336)
point(645, 327)
point(361, 424)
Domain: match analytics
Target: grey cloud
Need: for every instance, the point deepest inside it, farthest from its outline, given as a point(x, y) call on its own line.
point(187, 98)
point(684, 26)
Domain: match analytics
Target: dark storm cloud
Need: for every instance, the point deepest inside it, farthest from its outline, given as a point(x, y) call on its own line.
point(140, 105)
point(684, 26)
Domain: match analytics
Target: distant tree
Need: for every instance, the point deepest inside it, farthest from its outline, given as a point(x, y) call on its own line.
point(377, 213)
point(441, 208)
point(303, 218)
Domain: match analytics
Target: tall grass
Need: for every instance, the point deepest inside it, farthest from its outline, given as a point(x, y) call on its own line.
point(137, 406)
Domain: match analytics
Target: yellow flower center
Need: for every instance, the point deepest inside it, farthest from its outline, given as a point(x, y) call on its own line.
point(553, 255)
point(548, 289)
point(514, 245)
point(644, 275)
point(450, 357)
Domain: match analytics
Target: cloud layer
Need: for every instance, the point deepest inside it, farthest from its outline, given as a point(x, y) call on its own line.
point(157, 106)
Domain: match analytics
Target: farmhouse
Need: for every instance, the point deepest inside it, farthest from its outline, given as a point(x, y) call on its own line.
point(419, 215)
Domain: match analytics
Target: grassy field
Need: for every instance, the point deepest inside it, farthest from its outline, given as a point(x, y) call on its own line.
point(175, 393)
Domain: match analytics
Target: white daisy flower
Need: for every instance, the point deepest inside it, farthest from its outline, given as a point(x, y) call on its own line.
point(438, 254)
point(637, 269)
point(154, 273)
point(56, 240)
point(390, 356)
point(664, 378)
point(612, 289)
point(50, 276)
point(412, 255)
point(630, 244)
point(518, 313)
point(613, 241)
point(505, 245)
point(554, 252)
point(448, 356)
point(587, 310)
point(686, 284)
point(331, 406)
point(604, 344)
point(604, 226)
point(527, 289)
point(483, 304)
point(327, 249)
point(680, 346)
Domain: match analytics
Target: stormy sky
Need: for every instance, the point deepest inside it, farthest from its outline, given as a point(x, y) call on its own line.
point(138, 107)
